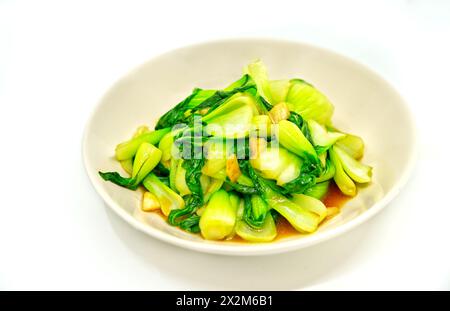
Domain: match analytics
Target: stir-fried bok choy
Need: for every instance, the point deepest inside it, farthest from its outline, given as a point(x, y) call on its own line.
point(235, 162)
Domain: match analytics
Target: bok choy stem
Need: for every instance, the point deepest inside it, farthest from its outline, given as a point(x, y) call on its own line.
point(219, 217)
point(128, 149)
point(147, 158)
point(168, 199)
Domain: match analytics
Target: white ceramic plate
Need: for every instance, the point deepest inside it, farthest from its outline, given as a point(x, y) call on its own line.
point(365, 104)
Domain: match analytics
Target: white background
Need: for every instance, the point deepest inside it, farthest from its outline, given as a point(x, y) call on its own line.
point(57, 59)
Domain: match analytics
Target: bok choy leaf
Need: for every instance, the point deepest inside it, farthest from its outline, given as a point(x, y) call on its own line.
point(356, 170)
point(321, 137)
point(147, 157)
point(233, 118)
point(292, 138)
point(353, 145)
point(309, 102)
point(319, 190)
point(300, 218)
point(343, 181)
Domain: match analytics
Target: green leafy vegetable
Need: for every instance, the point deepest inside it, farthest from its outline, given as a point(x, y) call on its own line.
point(279, 90)
point(300, 96)
point(234, 161)
point(243, 189)
point(219, 217)
point(321, 137)
point(213, 186)
point(173, 174)
point(245, 80)
point(262, 125)
point(127, 165)
point(278, 164)
point(279, 112)
point(328, 172)
point(309, 102)
point(257, 71)
point(128, 149)
point(301, 219)
point(356, 170)
point(309, 171)
point(115, 177)
point(345, 183)
point(292, 138)
point(255, 211)
point(167, 147)
point(319, 190)
point(177, 114)
point(353, 145)
point(186, 217)
point(266, 233)
point(233, 118)
point(180, 180)
point(216, 158)
point(200, 100)
point(147, 157)
point(168, 198)
point(161, 171)
point(311, 204)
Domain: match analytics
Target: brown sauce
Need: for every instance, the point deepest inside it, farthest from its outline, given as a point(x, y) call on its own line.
point(285, 229)
point(334, 197)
